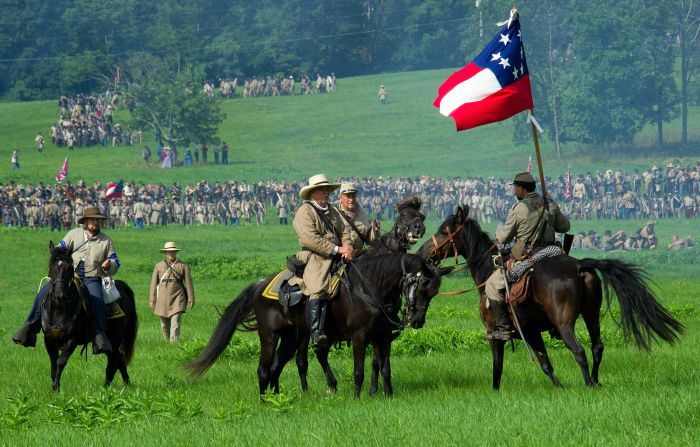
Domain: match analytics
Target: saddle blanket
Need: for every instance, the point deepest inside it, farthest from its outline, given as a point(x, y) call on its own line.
point(273, 288)
point(515, 272)
point(272, 291)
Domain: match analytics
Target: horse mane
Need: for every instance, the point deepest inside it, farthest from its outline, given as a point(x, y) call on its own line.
point(412, 202)
point(381, 268)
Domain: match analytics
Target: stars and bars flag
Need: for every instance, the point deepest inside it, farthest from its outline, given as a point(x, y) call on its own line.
point(63, 172)
point(492, 87)
point(114, 190)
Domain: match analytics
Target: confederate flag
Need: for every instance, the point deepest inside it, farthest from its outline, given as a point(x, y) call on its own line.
point(114, 190)
point(493, 87)
point(63, 172)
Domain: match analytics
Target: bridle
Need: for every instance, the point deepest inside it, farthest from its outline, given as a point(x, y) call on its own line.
point(56, 331)
point(450, 239)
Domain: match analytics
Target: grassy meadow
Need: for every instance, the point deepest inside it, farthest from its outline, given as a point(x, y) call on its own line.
point(441, 373)
point(344, 134)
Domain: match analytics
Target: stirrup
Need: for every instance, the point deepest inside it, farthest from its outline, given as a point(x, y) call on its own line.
point(320, 342)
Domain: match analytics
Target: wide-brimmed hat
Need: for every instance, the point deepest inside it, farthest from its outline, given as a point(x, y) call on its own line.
point(90, 212)
point(315, 182)
point(169, 246)
point(347, 188)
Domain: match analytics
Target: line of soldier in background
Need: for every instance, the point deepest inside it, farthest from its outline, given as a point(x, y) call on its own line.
point(237, 201)
point(279, 85)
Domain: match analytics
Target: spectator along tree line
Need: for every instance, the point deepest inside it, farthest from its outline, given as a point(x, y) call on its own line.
point(601, 69)
point(655, 193)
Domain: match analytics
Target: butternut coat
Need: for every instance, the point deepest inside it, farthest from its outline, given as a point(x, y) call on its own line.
point(92, 252)
point(318, 243)
point(174, 292)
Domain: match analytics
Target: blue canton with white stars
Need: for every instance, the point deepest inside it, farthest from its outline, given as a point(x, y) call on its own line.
point(504, 55)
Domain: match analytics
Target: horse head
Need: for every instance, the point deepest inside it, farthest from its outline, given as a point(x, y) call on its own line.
point(409, 225)
point(444, 243)
point(60, 270)
point(419, 284)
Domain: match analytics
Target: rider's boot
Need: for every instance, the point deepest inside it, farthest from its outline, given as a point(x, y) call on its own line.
point(318, 338)
point(502, 328)
point(100, 344)
point(26, 335)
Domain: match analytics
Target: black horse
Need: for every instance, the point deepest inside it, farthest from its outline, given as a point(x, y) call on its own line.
point(66, 322)
point(562, 288)
point(365, 311)
point(408, 228)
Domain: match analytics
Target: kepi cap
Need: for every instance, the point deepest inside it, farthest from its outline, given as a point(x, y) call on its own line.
point(348, 188)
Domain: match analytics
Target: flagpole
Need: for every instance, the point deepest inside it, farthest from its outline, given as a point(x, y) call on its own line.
point(537, 152)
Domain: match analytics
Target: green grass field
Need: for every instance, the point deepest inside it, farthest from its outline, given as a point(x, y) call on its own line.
point(345, 134)
point(441, 373)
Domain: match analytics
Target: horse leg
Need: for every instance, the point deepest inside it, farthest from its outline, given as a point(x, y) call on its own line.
point(61, 362)
point(303, 362)
point(537, 345)
point(374, 383)
point(285, 351)
point(591, 316)
point(52, 350)
point(497, 348)
point(359, 346)
point(267, 356)
point(567, 334)
point(384, 359)
point(331, 381)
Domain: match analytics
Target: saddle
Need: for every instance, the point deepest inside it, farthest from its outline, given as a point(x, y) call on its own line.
point(520, 290)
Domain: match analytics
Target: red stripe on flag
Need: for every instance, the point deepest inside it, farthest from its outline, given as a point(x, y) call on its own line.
point(455, 79)
point(501, 105)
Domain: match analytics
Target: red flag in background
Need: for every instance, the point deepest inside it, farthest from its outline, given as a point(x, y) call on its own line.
point(567, 184)
point(63, 172)
point(117, 77)
point(529, 164)
point(493, 87)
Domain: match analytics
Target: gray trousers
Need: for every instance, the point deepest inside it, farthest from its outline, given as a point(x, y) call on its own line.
point(171, 327)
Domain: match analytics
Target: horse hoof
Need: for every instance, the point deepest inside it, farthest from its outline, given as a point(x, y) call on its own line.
point(56, 387)
point(331, 390)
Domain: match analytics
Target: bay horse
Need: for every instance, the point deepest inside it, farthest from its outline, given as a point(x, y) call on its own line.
point(562, 288)
point(67, 324)
point(364, 311)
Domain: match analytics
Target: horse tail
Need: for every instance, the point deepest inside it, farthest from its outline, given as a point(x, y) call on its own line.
point(132, 325)
point(642, 315)
point(235, 313)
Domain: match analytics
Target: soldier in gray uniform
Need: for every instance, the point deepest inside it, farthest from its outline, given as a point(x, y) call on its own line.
point(532, 225)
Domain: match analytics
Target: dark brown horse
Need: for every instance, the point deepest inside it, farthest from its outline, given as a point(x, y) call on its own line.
point(562, 288)
point(67, 325)
point(364, 311)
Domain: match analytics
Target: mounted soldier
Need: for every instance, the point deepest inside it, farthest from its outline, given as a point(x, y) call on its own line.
point(355, 218)
point(324, 239)
point(531, 223)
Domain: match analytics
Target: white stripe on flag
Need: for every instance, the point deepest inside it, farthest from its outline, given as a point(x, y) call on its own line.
point(474, 89)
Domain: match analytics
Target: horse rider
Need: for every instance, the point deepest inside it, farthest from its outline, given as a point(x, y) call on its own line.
point(93, 258)
point(355, 218)
point(324, 239)
point(532, 225)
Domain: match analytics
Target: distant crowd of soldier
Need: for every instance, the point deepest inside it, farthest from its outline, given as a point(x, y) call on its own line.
point(237, 202)
point(272, 86)
point(641, 239)
point(87, 120)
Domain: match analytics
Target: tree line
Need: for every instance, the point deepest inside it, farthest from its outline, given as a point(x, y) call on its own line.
point(601, 69)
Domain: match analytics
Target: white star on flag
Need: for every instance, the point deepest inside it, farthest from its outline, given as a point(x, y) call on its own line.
point(505, 39)
point(504, 63)
point(515, 73)
point(495, 56)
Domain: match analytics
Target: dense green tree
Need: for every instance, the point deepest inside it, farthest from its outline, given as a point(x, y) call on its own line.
point(169, 101)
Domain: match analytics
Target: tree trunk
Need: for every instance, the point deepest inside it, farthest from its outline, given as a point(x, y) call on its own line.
point(552, 87)
point(660, 118)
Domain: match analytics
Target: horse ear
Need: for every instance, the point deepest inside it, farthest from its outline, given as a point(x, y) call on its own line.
point(466, 212)
point(51, 247)
point(462, 213)
point(70, 248)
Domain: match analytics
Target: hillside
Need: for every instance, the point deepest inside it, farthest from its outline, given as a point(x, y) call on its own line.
point(347, 133)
